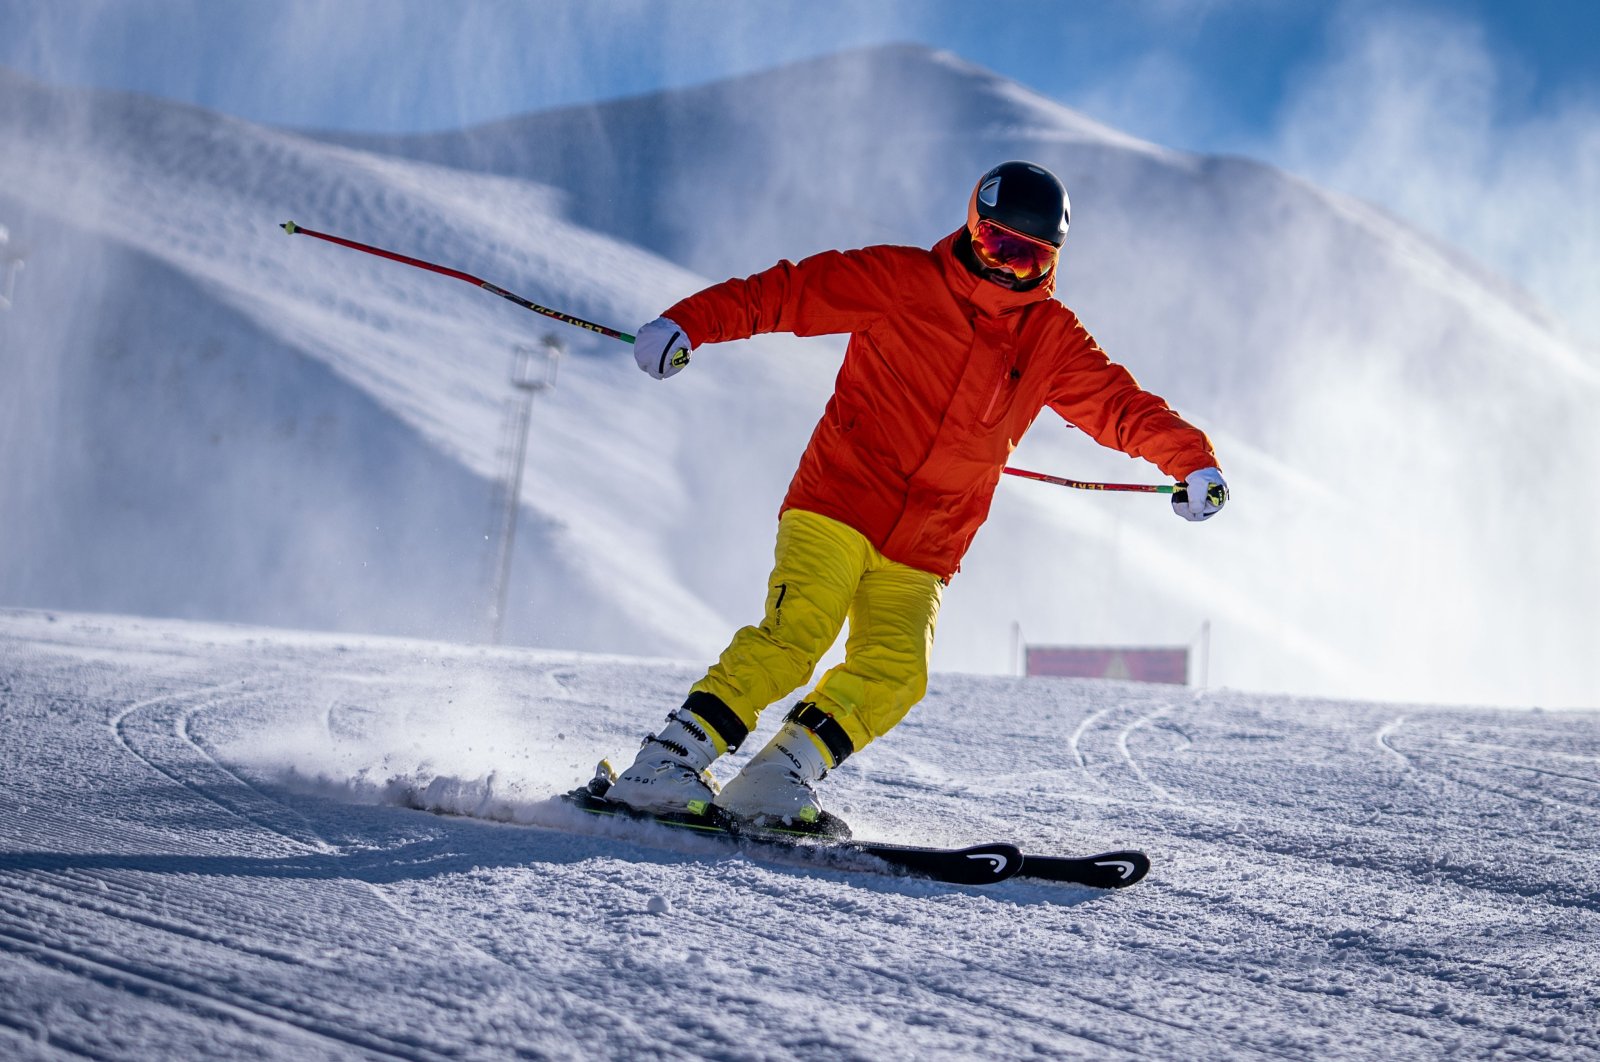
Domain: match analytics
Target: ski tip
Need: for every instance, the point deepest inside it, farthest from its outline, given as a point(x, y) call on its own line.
point(290, 227)
point(1122, 868)
point(1108, 870)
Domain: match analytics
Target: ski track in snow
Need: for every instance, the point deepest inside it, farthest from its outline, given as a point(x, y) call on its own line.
point(204, 855)
point(1383, 736)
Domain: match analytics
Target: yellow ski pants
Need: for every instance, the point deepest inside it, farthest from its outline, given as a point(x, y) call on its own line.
point(824, 573)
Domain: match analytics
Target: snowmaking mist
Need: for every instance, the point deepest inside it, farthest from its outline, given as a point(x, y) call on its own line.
point(1427, 114)
point(174, 461)
point(191, 447)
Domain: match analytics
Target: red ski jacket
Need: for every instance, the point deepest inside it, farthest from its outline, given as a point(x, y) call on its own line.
point(943, 373)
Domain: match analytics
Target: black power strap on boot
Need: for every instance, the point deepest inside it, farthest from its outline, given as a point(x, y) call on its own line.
point(826, 727)
point(719, 717)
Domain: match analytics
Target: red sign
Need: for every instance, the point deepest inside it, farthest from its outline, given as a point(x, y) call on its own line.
point(1170, 666)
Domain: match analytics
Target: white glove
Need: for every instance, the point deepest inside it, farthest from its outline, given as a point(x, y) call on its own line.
point(661, 348)
point(1202, 496)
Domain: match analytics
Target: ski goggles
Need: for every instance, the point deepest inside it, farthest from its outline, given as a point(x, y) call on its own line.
point(1000, 248)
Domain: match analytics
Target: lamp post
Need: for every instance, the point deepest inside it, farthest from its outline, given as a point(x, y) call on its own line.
point(533, 369)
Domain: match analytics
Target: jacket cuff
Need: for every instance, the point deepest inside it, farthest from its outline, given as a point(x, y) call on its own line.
point(1188, 463)
point(684, 315)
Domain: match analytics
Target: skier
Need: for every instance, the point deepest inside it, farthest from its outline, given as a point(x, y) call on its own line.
point(953, 352)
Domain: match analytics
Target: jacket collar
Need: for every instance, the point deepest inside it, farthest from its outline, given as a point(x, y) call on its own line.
point(987, 298)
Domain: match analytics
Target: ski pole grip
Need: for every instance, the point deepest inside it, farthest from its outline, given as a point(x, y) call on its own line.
point(1215, 494)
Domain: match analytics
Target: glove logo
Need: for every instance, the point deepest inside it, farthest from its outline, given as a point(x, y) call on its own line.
point(670, 357)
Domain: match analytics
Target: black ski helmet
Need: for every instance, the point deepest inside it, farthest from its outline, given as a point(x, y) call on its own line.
point(1024, 198)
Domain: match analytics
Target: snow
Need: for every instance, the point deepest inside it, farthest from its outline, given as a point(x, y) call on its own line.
point(204, 853)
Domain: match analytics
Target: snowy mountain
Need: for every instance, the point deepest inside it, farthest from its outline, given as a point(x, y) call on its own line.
point(201, 856)
point(213, 420)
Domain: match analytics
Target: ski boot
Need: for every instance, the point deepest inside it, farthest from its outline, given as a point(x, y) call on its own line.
point(669, 774)
point(775, 789)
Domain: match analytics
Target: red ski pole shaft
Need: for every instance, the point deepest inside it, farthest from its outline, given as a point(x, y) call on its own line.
point(1060, 481)
point(565, 318)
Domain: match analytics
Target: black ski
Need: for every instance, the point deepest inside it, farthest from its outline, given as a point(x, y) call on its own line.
point(983, 864)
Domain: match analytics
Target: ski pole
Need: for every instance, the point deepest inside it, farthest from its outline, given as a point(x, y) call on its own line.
point(566, 318)
point(1146, 488)
point(1179, 490)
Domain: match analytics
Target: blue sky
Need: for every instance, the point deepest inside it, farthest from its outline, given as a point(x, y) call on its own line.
point(1475, 119)
point(393, 65)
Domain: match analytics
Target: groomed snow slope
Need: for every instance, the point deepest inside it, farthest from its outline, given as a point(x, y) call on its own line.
point(201, 855)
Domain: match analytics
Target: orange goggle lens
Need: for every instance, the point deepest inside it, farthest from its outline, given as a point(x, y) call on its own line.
point(1023, 256)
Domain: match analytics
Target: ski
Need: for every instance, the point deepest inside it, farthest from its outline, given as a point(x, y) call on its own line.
point(983, 864)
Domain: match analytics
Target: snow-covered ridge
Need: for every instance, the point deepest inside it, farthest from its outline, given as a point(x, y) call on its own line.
point(221, 421)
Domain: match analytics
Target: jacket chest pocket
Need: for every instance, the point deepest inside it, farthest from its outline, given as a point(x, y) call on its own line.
point(1001, 351)
point(1002, 393)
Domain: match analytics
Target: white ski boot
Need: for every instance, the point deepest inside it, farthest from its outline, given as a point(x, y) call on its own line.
point(669, 773)
point(775, 787)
